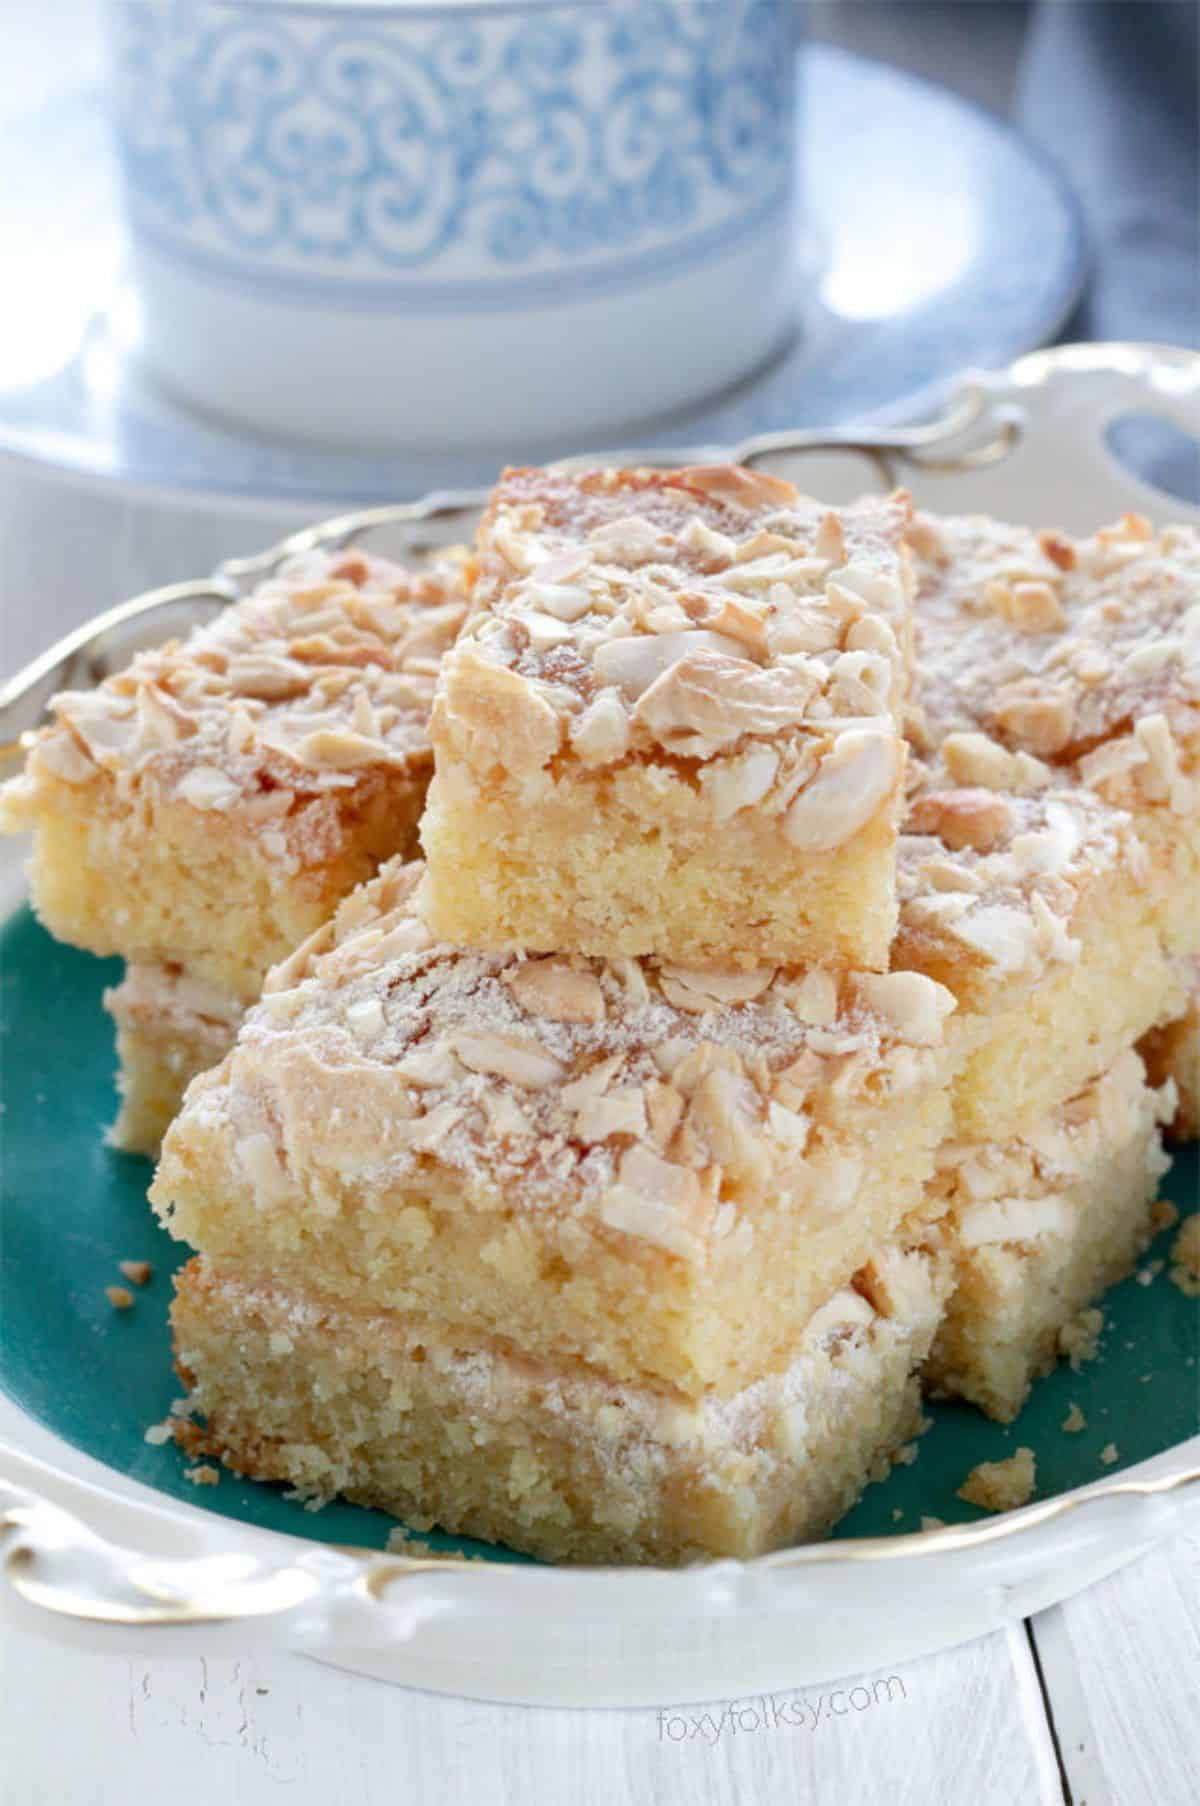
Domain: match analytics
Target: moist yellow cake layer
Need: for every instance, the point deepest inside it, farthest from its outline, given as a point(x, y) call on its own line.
point(632, 862)
point(484, 1259)
point(1065, 1029)
point(210, 805)
point(544, 1456)
point(672, 724)
point(161, 882)
point(1173, 843)
point(170, 1027)
point(1040, 1227)
point(656, 1170)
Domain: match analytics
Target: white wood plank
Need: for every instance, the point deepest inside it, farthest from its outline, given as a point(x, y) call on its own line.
point(88, 1728)
point(1034, 1712)
point(1121, 1663)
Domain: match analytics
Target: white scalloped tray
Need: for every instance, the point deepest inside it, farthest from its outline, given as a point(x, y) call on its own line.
point(90, 1554)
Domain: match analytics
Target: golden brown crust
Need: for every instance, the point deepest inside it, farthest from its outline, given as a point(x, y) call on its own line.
point(274, 717)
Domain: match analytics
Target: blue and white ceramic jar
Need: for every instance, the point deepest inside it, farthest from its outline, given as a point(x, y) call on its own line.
point(476, 223)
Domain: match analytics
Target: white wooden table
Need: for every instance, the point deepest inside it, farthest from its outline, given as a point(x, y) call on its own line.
point(1093, 1702)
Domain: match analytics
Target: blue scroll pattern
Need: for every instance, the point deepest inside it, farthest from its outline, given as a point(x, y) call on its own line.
point(468, 142)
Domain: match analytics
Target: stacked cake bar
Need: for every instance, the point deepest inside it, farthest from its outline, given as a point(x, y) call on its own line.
point(1050, 877)
point(522, 1216)
point(1049, 932)
point(616, 1243)
point(576, 1254)
point(204, 810)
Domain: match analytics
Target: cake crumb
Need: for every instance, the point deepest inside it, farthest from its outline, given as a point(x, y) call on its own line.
point(310, 1497)
point(1079, 1340)
point(1185, 1259)
point(906, 1454)
point(1150, 1272)
point(897, 1514)
point(399, 1542)
point(158, 1433)
point(932, 1523)
point(1074, 1421)
point(1001, 1485)
point(204, 1475)
point(1108, 1454)
point(139, 1271)
point(120, 1297)
point(1163, 1214)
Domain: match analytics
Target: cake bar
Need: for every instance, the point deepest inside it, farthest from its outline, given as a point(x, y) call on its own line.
point(1041, 1225)
point(1049, 876)
point(550, 1457)
point(1081, 656)
point(208, 807)
point(1050, 869)
point(672, 723)
point(656, 1171)
point(1045, 914)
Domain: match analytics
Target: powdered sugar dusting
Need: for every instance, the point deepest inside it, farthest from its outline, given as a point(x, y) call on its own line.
point(700, 615)
point(1056, 645)
point(1010, 903)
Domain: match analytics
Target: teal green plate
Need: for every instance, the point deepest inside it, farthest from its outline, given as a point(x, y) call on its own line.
point(71, 1208)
